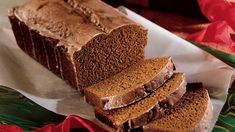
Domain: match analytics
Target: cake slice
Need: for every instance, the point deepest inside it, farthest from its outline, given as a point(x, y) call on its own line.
point(147, 109)
point(192, 113)
point(130, 85)
point(81, 41)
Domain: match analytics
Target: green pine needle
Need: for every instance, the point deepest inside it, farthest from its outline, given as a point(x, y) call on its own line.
point(225, 57)
point(19, 110)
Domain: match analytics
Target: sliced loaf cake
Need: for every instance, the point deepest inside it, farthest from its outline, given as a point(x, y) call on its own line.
point(130, 85)
point(192, 113)
point(147, 109)
point(82, 41)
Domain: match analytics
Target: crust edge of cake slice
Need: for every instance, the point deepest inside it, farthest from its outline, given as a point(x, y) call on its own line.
point(197, 118)
point(130, 94)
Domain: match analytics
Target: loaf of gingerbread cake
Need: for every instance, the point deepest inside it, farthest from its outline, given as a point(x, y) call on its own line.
point(192, 113)
point(147, 109)
point(131, 84)
point(81, 41)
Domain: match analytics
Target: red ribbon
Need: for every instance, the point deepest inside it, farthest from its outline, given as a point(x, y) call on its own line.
point(10, 128)
point(220, 33)
point(71, 122)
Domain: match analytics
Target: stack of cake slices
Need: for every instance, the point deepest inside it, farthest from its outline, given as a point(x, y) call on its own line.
point(100, 52)
point(149, 96)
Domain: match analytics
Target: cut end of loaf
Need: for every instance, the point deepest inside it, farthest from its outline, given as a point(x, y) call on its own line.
point(107, 55)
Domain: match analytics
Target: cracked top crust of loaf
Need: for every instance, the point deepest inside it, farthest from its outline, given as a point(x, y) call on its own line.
point(73, 21)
